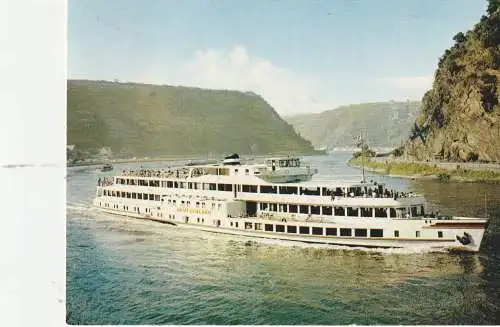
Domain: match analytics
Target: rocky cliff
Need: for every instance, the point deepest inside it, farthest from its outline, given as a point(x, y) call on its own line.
point(460, 115)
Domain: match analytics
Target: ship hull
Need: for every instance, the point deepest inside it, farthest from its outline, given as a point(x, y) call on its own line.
point(448, 244)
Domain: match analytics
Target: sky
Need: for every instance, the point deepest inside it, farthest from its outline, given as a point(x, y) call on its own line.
point(302, 56)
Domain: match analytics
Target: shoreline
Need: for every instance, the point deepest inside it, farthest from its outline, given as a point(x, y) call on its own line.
point(443, 175)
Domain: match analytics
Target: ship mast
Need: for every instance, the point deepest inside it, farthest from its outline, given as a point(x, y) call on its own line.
point(361, 142)
point(363, 156)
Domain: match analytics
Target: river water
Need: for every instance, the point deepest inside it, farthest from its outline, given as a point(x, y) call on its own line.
point(129, 271)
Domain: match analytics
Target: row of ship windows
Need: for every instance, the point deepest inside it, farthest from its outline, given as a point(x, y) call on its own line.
point(341, 211)
point(328, 231)
point(306, 230)
point(297, 190)
point(292, 208)
point(154, 197)
point(132, 195)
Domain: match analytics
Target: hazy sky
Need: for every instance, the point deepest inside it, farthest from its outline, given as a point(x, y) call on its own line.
point(301, 56)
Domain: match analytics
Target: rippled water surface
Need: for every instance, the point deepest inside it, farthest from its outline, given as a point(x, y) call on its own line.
point(128, 271)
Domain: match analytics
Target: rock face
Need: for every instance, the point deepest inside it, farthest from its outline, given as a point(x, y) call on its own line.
point(460, 116)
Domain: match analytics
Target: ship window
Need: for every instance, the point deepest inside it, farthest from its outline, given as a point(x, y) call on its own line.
point(273, 207)
point(163, 184)
point(291, 229)
point(292, 208)
point(422, 210)
point(231, 224)
point(134, 195)
point(280, 228)
point(304, 209)
point(288, 189)
point(345, 232)
point(197, 204)
point(249, 188)
point(123, 194)
point(392, 212)
point(190, 185)
point(327, 210)
point(236, 171)
point(352, 212)
point(317, 230)
point(268, 228)
point(413, 211)
point(248, 225)
point(366, 212)
point(151, 197)
point(376, 233)
point(417, 233)
point(380, 213)
point(144, 196)
point(170, 184)
point(440, 234)
point(339, 211)
point(212, 186)
point(304, 229)
point(263, 206)
point(283, 208)
point(315, 210)
point(246, 171)
point(360, 232)
point(396, 233)
point(258, 226)
point(331, 231)
point(129, 195)
point(268, 189)
point(157, 197)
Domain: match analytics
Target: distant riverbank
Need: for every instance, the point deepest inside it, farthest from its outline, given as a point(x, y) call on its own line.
point(426, 171)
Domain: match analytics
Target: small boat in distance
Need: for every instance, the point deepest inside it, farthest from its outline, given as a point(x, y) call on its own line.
point(107, 167)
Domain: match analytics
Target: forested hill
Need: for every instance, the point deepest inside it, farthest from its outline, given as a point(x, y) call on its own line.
point(152, 120)
point(384, 124)
point(460, 117)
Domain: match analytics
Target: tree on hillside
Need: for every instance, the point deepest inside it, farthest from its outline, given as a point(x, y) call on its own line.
point(493, 6)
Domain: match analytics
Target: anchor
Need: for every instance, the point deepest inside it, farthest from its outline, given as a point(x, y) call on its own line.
point(464, 240)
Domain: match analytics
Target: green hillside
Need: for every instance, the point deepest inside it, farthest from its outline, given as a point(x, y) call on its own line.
point(384, 124)
point(152, 120)
point(460, 117)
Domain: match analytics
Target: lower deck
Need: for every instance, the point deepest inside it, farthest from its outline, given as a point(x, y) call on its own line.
point(365, 232)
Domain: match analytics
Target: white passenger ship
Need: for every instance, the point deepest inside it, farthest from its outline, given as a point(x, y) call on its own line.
point(278, 200)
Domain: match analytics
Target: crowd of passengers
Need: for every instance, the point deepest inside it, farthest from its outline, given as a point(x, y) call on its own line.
point(162, 173)
point(378, 192)
point(105, 181)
